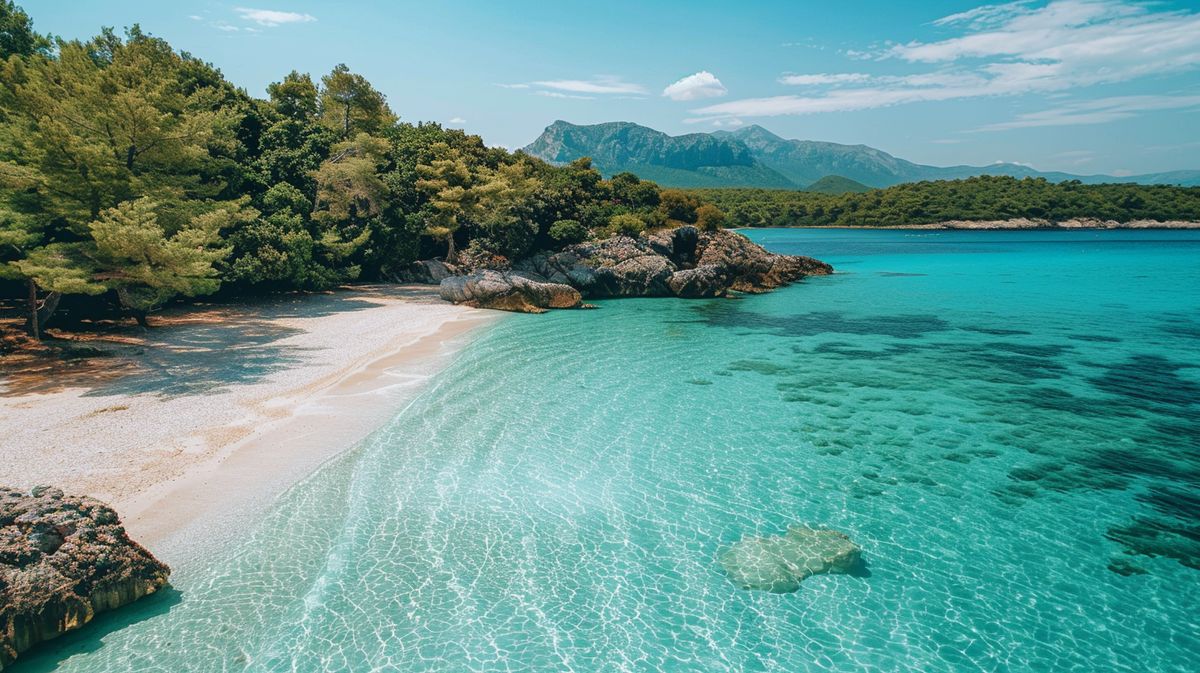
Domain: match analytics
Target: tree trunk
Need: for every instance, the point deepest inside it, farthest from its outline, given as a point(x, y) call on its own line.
point(48, 307)
point(34, 330)
point(450, 254)
point(138, 314)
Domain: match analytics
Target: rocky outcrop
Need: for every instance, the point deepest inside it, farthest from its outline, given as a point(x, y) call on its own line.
point(750, 266)
point(509, 291)
point(427, 272)
point(779, 563)
point(63, 560)
point(680, 262)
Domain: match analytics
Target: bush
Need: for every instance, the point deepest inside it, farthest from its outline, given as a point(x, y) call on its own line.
point(626, 224)
point(709, 217)
point(566, 232)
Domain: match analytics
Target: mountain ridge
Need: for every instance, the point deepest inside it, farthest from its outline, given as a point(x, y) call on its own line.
point(753, 156)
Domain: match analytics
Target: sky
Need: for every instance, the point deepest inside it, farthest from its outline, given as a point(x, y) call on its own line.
point(1084, 86)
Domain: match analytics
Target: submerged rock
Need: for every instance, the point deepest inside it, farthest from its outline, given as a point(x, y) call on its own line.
point(63, 560)
point(509, 291)
point(780, 562)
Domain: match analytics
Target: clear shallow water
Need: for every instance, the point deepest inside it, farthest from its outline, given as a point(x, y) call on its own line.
point(1000, 419)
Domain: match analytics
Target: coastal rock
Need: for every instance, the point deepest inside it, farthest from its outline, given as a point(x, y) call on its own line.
point(509, 291)
point(709, 280)
point(63, 560)
point(750, 266)
point(427, 272)
point(679, 262)
point(779, 563)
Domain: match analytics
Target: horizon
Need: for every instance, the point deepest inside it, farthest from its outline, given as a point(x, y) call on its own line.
point(1066, 85)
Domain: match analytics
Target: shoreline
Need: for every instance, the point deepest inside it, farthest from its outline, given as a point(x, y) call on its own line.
point(189, 471)
point(1018, 224)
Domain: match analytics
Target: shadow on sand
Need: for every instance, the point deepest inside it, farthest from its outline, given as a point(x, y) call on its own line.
point(197, 350)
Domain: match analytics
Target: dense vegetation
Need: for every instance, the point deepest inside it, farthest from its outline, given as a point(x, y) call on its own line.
point(135, 174)
point(979, 198)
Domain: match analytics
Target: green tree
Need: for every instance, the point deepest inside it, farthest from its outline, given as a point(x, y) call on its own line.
point(17, 35)
point(350, 105)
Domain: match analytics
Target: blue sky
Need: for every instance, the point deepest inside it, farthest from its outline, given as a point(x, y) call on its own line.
point(1086, 86)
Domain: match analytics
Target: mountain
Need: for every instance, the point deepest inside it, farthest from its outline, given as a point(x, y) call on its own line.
point(754, 157)
point(836, 184)
point(692, 160)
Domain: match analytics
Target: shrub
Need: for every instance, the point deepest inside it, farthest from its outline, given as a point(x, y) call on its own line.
point(566, 232)
point(626, 224)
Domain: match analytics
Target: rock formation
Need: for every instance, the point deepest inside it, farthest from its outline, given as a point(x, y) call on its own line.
point(680, 262)
point(779, 563)
point(63, 560)
point(509, 291)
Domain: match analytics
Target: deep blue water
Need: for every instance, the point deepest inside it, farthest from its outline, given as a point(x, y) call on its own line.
point(1008, 423)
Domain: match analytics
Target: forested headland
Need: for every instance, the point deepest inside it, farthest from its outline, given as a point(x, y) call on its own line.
point(978, 198)
point(133, 174)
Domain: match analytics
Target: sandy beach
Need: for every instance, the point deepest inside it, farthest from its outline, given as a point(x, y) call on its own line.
point(212, 414)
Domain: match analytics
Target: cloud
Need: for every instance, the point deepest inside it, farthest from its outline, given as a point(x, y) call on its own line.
point(559, 94)
point(703, 84)
point(1007, 50)
point(601, 84)
point(457, 121)
point(271, 18)
point(582, 89)
point(1099, 111)
point(824, 78)
point(194, 17)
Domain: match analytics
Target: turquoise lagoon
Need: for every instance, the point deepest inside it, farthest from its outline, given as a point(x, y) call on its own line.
point(1008, 423)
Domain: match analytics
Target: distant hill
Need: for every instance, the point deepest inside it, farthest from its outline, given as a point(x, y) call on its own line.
point(754, 157)
point(836, 184)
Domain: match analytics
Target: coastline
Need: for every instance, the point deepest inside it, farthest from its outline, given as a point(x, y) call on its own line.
point(1018, 224)
point(189, 467)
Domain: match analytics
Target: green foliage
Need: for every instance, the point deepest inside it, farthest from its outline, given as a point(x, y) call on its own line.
point(350, 105)
point(567, 232)
point(978, 198)
point(677, 205)
point(17, 35)
point(709, 217)
point(626, 224)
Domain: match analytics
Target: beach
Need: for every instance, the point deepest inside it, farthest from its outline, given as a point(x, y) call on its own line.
point(192, 428)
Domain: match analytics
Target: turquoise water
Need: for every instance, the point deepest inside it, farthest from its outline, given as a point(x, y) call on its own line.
point(1008, 423)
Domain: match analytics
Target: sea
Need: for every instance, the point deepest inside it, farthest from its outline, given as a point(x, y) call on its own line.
point(1007, 423)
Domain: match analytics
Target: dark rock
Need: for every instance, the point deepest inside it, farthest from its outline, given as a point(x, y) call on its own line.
point(680, 262)
point(427, 272)
point(509, 291)
point(63, 560)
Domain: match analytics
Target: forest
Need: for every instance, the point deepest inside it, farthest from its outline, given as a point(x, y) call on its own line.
point(134, 175)
point(979, 198)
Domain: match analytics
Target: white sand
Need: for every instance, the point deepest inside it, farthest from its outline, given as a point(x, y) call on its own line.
point(186, 457)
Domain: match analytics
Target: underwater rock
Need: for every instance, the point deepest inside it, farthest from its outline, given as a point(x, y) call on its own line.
point(508, 291)
point(780, 562)
point(63, 560)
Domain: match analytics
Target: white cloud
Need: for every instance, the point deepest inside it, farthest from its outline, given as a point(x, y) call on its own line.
point(194, 17)
point(1008, 50)
point(457, 121)
point(558, 94)
point(824, 78)
point(601, 84)
point(703, 84)
point(582, 89)
point(1099, 111)
point(272, 18)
